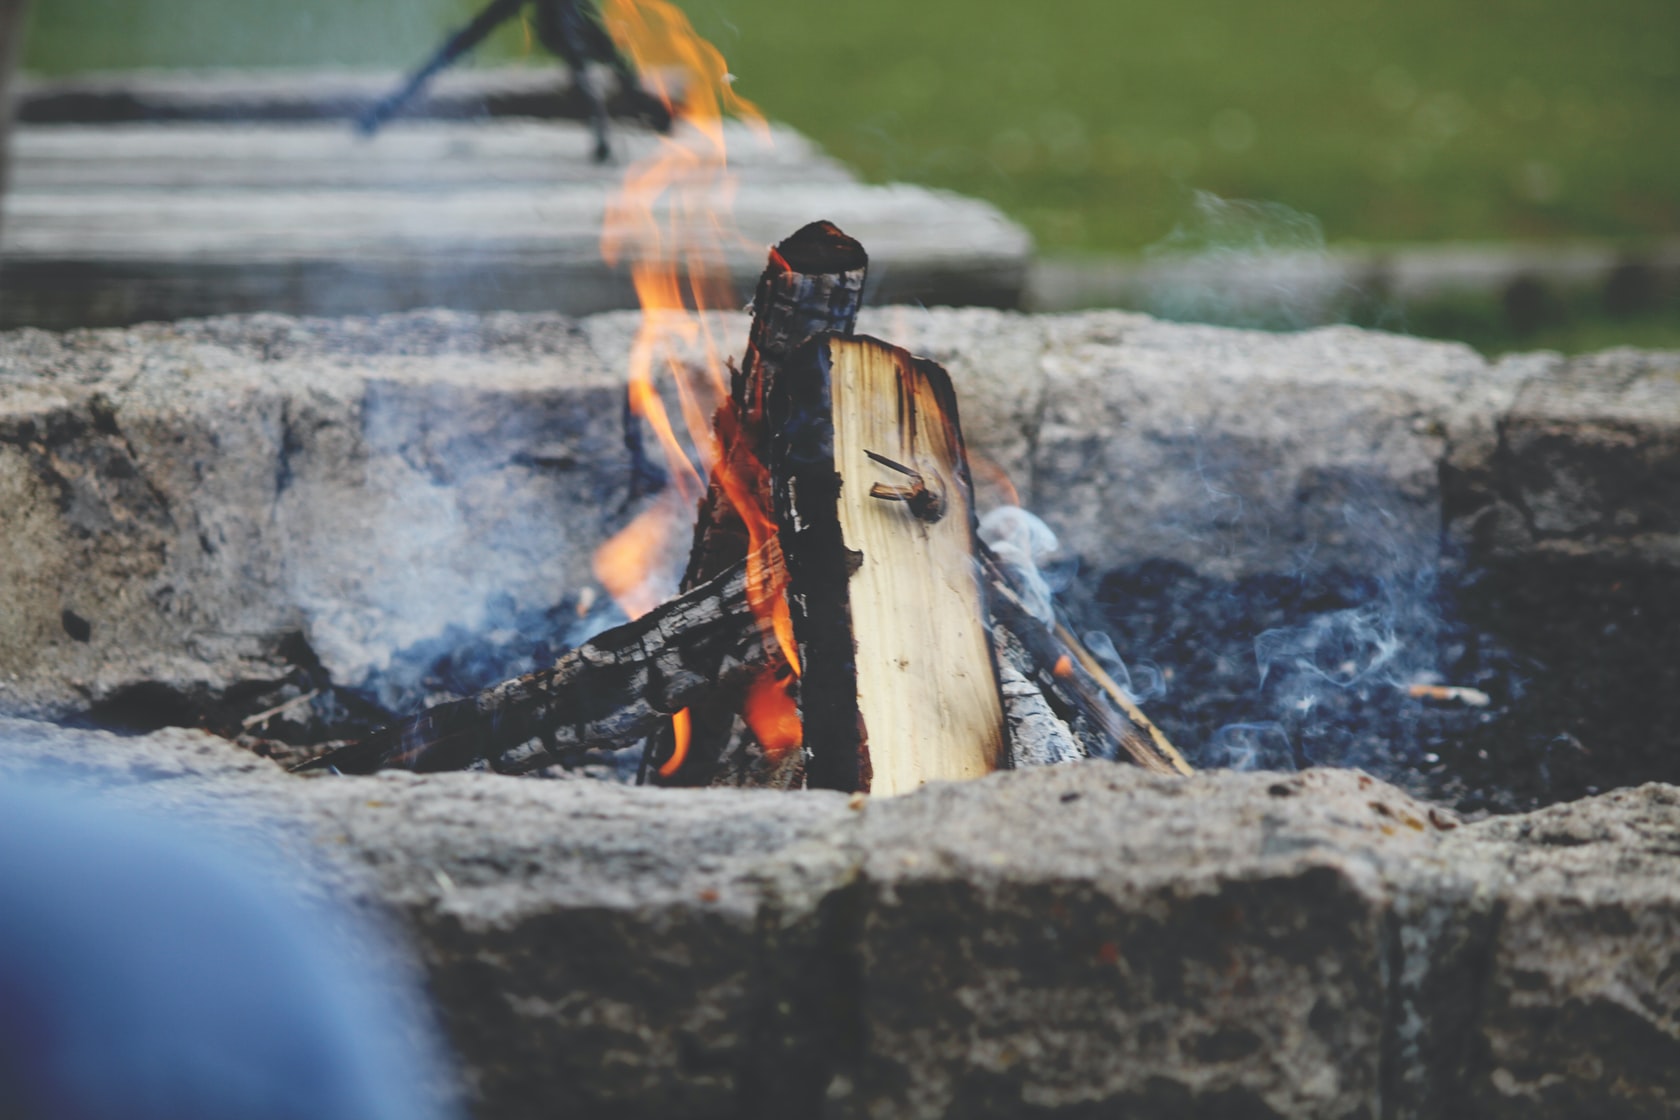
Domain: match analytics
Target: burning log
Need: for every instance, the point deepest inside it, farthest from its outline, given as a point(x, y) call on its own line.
point(813, 284)
point(608, 693)
point(836, 598)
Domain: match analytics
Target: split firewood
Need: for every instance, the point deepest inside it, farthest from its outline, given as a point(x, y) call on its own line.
point(607, 694)
point(898, 686)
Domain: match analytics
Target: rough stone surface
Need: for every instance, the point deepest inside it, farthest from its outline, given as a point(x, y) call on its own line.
point(201, 504)
point(202, 496)
point(1585, 462)
point(1078, 941)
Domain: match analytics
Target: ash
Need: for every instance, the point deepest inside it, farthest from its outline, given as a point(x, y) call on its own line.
point(1579, 661)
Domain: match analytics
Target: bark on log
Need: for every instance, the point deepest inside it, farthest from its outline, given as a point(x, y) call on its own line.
point(608, 693)
point(812, 284)
point(876, 506)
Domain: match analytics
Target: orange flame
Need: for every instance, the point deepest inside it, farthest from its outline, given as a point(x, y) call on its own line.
point(683, 725)
point(773, 715)
point(628, 565)
point(671, 225)
point(1064, 666)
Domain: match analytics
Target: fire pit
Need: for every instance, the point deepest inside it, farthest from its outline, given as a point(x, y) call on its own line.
point(286, 530)
point(1302, 544)
point(1393, 601)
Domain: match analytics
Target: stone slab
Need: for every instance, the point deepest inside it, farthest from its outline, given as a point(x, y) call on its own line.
point(164, 196)
point(1076, 941)
point(281, 94)
point(424, 156)
point(90, 258)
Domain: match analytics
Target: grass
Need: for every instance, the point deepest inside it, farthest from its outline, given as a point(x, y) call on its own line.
point(1093, 121)
point(1090, 120)
point(1577, 325)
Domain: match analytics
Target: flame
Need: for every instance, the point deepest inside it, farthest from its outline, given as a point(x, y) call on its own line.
point(682, 724)
point(773, 714)
point(1064, 666)
point(671, 224)
point(746, 485)
point(629, 564)
point(672, 221)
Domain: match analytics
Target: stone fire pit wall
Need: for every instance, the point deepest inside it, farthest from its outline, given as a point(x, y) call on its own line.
point(1074, 942)
point(192, 508)
point(187, 503)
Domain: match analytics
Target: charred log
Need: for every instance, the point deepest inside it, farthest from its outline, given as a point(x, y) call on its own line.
point(608, 693)
point(813, 284)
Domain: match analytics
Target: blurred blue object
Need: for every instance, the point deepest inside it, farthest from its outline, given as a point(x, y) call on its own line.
point(148, 972)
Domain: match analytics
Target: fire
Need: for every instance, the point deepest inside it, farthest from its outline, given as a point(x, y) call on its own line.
point(682, 724)
point(773, 715)
point(629, 564)
point(671, 223)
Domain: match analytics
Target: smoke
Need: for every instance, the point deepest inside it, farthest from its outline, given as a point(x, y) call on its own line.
point(1244, 263)
point(1141, 681)
point(1342, 648)
point(438, 535)
point(1331, 649)
point(1251, 746)
point(1030, 552)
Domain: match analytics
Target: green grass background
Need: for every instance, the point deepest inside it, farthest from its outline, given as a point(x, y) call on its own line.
point(1093, 121)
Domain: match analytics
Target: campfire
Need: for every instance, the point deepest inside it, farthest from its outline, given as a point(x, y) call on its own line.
point(840, 623)
point(807, 588)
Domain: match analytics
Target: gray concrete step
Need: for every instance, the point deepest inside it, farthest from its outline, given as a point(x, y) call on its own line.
point(115, 223)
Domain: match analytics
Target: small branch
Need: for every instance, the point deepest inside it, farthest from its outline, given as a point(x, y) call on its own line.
point(1099, 716)
point(1087, 661)
point(263, 717)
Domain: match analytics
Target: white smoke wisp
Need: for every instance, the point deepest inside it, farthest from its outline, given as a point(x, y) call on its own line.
point(1140, 681)
point(1324, 679)
point(1246, 263)
point(1026, 547)
point(1251, 746)
point(1342, 648)
point(1030, 551)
